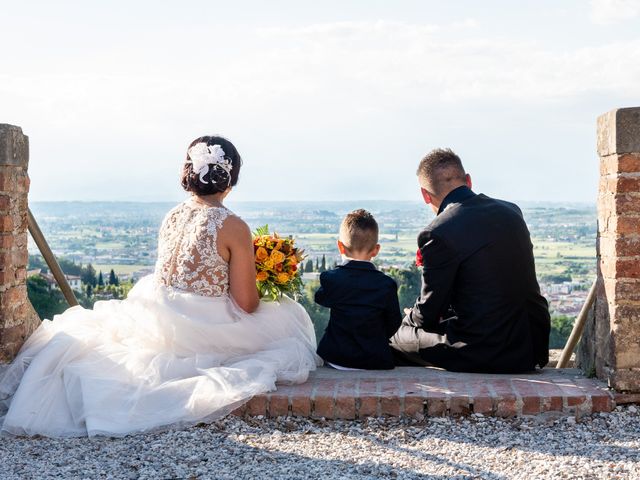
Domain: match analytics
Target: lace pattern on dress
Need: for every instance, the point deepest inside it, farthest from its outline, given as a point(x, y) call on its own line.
point(188, 257)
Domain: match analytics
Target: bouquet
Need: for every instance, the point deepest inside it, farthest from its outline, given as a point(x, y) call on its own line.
point(277, 261)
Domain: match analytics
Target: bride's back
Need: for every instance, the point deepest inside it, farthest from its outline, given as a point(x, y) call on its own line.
point(195, 252)
point(188, 256)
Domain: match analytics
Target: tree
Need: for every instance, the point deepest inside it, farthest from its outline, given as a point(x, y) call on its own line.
point(46, 303)
point(319, 314)
point(561, 327)
point(114, 291)
point(323, 265)
point(36, 261)
point(69, 267)
point(125, 288)
point(317, 265)
point(308, 267)
point(113, 278)
point(89, 290)
point(100, 279)
point(409, 284)
point(88, 276)
point(557, 278)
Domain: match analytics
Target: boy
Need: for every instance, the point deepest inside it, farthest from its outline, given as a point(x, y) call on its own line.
point(365, 311)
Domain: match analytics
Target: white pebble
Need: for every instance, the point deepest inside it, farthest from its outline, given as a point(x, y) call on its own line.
point(601, 446)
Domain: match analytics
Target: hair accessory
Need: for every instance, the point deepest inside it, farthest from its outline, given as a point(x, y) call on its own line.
point(202, 155)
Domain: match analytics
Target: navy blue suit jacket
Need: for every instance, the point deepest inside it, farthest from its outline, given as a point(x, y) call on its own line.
point(365, 313)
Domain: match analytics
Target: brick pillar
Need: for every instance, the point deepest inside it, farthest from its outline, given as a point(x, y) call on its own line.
point(617, 308)
point(17, 317)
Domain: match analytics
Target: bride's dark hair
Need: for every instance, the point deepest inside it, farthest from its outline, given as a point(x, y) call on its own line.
point(218, 180)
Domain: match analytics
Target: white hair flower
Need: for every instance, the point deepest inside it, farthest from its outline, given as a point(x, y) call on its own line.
point(202, 155)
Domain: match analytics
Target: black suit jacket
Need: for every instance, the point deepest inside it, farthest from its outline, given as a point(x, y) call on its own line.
point(364, 314)
point(479, 271)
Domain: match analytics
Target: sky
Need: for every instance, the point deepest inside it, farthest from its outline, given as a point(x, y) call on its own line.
point(332, 100)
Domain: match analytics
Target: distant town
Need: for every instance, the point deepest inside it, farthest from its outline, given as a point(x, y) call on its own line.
point(122, 236)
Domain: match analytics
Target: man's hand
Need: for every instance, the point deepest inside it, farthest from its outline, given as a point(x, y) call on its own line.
point(407, 311)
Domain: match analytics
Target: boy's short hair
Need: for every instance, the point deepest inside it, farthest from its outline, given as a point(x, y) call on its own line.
point(359, 231)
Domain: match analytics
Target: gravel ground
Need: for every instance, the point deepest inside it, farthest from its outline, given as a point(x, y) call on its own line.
point(545, 446)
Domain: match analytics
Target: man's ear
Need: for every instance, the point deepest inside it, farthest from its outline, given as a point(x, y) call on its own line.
point(341, 248)
point(468, 181)
point(375, 250)
point(426, 196)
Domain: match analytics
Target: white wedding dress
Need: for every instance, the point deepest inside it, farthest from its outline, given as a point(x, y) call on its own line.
point(176, 351)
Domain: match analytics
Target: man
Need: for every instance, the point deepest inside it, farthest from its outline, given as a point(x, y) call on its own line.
point(480, 309)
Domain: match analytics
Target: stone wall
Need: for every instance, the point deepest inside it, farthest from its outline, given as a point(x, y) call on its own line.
point(610, 347)
point(17, 317)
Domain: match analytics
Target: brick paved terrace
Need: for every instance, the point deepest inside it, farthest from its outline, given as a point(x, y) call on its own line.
point(417, 392)
point(420, 392)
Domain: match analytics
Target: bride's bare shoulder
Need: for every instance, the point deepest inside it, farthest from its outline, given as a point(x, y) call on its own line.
point(235, 227)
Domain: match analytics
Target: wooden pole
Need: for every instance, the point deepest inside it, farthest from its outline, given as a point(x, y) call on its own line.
point(46, 252)
point(578, 327)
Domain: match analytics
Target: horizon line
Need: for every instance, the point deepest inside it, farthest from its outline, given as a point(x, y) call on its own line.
point(584, 202)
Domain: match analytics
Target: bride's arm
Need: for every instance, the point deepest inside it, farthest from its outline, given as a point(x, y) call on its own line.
point(242, 269)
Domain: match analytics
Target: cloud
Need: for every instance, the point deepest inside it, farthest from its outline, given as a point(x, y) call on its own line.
point(413, 63)
point(359, 67)
point(342, 95)
point(382, 28)
point(606, 12)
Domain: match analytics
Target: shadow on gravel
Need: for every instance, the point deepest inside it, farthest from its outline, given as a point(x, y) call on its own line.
point(278, 464)
point(222, 459)
point(593, 439)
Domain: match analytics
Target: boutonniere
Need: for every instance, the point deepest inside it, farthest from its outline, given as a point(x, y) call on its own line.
point(418, 258)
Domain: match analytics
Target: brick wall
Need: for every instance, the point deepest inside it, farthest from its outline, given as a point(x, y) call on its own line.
point(611, 344)
point(17, 317)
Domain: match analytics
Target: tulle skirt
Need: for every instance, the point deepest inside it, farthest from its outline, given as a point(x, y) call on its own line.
point(158, 358)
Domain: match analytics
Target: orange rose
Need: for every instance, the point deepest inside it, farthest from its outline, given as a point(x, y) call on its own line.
point(268, 264)
point(261, 254)
point(277, 256)
point(262, 276)
point(282, 278)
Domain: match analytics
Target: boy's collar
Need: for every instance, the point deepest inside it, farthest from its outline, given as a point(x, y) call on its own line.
point(346, 260)
point(359, 264)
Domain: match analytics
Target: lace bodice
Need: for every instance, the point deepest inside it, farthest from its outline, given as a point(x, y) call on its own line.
point(188, 257)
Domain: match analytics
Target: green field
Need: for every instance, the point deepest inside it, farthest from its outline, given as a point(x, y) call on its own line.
point(552, 258)
point(556, 258)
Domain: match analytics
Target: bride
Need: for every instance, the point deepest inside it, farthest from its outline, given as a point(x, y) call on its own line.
point(191, 342)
